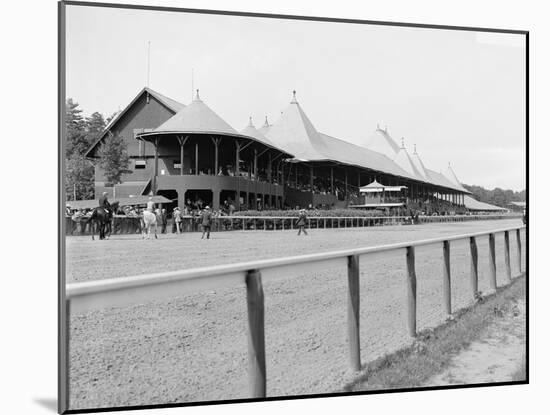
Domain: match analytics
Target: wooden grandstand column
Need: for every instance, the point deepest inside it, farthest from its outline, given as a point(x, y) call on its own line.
point(196, 158)
point(255, 165)
point(311, 178)
point(331, 180)
point(216, 142)
point(346, 184)
point(156, 172)
point(237, 151)
point(182, 142)
point(269, 178)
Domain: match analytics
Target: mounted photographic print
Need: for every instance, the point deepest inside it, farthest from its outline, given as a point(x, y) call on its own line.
point(256, 206)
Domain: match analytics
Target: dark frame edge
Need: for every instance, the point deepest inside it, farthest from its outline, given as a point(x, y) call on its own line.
point(63, 317)
point(62, 328)
point(292, 17)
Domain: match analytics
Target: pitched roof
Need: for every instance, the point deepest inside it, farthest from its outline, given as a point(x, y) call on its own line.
point(197, 117)
point(440, 180)
point(265, 127)
point(382, 142)
point(419, 164)
point(170, 104)
point(253, 132)
point(404, 160)
point(346, 152)
point(473, 204)
point(450, 174)
point(294, 132)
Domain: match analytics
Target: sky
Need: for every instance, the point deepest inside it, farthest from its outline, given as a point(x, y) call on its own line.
point(458, 95)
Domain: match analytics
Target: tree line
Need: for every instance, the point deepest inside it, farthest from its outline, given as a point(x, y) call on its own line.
point(497, 196)
point(81, 133)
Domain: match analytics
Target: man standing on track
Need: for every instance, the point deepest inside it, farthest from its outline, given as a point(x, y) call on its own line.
point(302, 222)
point(206, 220)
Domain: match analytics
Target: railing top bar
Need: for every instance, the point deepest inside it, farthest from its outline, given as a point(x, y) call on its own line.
point(93, 287)
point(354, 217)
point(351, 217)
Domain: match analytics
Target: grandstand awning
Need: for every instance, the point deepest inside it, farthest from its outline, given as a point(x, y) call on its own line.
point(123, 201)
point(377, 205)
point(376, 187)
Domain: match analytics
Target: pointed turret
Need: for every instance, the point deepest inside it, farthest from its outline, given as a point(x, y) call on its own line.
point(419, 165)
point(251, 131)
point(451, 176)
point(403, 160)
point(382, 142)
point(294, 132)
point(197, 117)
point(265, 128)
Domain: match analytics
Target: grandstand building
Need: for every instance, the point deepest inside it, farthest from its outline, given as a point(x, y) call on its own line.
point(188, 152)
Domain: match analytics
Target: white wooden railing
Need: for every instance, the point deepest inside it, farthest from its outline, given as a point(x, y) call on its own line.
point(116, 292)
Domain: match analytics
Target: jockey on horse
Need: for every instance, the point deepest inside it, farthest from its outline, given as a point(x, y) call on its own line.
point(103, 215)
point(104, 203)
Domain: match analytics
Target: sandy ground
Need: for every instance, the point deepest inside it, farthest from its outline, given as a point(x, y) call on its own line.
point(194, 347)
point(495, 357)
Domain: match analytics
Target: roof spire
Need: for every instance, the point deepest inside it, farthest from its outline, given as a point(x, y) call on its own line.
point(197, 98)
point(250, 122)
point(266, 124)
point(403, 142)
point(294, 98)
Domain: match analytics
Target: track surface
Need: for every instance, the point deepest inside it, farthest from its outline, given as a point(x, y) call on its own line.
point(194, 347)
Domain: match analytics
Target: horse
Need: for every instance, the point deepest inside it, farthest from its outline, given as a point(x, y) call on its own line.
point(148, 219)
point(102, 218)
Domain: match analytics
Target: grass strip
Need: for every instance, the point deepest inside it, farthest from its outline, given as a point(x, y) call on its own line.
point(434, 348)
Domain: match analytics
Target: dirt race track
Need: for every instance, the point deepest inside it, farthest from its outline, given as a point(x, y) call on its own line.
point(194, 347)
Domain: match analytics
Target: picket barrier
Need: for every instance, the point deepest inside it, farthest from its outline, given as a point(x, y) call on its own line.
point(117, 292)
point(131, 225)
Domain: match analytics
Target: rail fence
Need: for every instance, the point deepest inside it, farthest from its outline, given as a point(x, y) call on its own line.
point(118, 292)
point(130, 225)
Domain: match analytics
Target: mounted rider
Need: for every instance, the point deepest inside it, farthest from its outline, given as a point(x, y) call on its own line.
point(150, 205)
point(104, 203)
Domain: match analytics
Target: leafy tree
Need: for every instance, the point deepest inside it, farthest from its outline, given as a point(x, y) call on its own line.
point(497, 196)
point(79, 178)
point(95, 124)
point(77, 140)
point(113, 158)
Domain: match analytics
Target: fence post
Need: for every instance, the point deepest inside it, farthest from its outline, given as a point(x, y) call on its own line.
point(353, 312)
point(507, 255)
point(411, 291)
point(473, 266)
point(518, 238)
point(447, 276)
point(256, 335)
point(492, 262)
